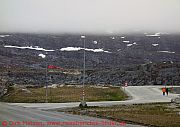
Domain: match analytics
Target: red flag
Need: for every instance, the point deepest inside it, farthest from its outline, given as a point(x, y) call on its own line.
point(53, 67)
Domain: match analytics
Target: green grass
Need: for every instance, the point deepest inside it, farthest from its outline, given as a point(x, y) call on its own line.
point(147, 114)
point(63, 94)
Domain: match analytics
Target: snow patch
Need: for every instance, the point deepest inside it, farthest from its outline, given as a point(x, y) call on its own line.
point(95, 50)
point(71, 49)
point(153, 35)
point(42, 55)
point(95, 42)
point(113, 38)
point(134, 43)
point(126, 41)
point(28, 47)
point(83, 36)
point(4, 35)
point(155, 44)
point(107, 52)
point(129, 45)
point(86, 49)
point(166, 52)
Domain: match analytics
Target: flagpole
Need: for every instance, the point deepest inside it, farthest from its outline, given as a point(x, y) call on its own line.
point(46, 81)
point(84, 68)
point(172, 75)
point(83, 102)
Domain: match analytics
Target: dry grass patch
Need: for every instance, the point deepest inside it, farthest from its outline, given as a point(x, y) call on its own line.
point(63, 94)
point(160, 115)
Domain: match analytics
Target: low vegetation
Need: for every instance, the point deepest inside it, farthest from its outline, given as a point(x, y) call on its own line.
point(63, 94)
point(160, 115)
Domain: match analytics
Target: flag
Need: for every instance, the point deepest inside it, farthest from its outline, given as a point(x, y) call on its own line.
point(54, 67)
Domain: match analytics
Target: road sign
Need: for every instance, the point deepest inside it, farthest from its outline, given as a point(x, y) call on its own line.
point(126, 84)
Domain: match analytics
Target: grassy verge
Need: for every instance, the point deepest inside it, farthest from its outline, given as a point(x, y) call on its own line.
point(63, 94)
point(161, 115)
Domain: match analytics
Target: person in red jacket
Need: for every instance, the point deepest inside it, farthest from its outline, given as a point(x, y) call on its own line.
point(163, 90)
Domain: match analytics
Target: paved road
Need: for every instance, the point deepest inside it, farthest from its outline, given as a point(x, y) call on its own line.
point(17, 116)
point(19, 112)
point(139, 94)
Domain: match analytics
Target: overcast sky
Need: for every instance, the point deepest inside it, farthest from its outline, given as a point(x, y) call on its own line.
point(89, 16)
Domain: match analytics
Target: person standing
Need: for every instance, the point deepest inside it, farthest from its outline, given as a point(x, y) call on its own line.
point(163, 90)
point(167, 90)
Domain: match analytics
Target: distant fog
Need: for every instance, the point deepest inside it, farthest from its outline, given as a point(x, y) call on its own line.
point(89, 16)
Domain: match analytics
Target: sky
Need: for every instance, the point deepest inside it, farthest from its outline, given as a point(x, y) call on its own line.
point(89, 16)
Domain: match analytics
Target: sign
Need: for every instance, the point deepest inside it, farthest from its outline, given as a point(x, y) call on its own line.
point(126, 84)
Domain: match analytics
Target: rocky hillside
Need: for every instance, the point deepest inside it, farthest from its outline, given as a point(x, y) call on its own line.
point(101, 51)
point(144, 74)
point(140, 59)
